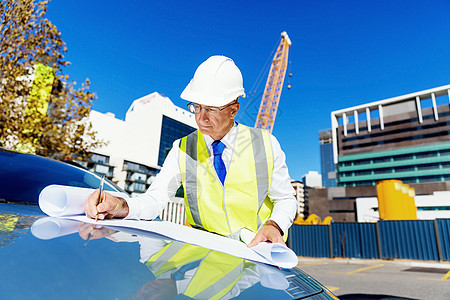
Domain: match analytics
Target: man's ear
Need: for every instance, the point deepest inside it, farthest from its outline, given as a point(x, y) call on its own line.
point(235, 109)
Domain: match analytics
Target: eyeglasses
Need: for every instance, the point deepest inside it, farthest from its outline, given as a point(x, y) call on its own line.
point(210, 110)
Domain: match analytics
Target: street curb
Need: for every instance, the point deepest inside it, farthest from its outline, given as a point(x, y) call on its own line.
point(405, 262)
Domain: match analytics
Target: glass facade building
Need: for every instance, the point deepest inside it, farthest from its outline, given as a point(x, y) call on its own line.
point(170, 131)
point(327, 166)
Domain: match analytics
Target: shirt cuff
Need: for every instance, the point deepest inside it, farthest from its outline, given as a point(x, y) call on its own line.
point(142, 208)
point(284, 225)
point(134, 207)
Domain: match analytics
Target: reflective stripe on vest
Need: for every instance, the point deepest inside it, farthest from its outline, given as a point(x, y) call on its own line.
point(215, 276)
point(243, 202)
point(173, 255)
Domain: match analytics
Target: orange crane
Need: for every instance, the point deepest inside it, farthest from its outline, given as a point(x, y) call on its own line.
point(272, 92)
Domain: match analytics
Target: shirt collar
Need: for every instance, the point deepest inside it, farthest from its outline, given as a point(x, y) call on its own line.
point(228, 139)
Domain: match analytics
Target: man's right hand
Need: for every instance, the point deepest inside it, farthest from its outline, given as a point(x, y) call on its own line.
point(93, 232)
point(110, 206)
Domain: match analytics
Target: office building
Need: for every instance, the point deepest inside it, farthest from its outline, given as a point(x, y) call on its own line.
point(405, 138)
point(327, 166)
point(137, 146)
point(300, 197)
point(312, 179)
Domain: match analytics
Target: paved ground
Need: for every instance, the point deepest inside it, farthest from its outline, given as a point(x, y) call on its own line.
point(380, 279)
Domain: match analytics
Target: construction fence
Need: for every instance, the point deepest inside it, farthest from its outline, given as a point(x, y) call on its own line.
point(415, 239)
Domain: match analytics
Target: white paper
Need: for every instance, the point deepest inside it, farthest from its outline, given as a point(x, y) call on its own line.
point(269, 253)
point(49, 228)
point(59, 200)
point(65, 201)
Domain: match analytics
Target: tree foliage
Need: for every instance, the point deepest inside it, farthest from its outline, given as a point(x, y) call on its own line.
point(41, 111)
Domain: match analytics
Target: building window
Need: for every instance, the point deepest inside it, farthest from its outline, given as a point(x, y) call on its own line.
point(427, 167)
point(381, 160)
point(426, 155)
point(361, 162)
point(100, 159)
point(405, 169)
point(403, 157)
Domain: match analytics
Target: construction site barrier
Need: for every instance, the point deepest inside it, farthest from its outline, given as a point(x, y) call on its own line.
point(411, 239)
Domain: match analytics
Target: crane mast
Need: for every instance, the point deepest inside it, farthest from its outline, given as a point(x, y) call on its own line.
point(272, 91)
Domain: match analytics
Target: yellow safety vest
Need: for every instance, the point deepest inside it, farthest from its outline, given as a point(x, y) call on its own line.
point(216, 272)
point(242, 202)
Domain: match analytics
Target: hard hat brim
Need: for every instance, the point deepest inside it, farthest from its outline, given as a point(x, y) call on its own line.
point(210, 100)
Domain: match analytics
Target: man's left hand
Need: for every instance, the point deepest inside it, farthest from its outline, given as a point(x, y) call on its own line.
point(270, 232)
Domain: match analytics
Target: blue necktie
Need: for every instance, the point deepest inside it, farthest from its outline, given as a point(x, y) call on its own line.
point(218, 147)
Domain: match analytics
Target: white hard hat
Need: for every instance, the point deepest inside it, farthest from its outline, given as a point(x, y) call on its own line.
point(217, 81)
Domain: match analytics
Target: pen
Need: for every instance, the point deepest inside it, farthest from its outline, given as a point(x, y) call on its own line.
point(99, 199)
point(87, 240)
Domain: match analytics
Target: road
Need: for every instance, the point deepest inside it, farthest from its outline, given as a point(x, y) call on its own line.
point(371, 279)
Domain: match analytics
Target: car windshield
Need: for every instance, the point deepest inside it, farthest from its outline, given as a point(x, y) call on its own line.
point(23, 177)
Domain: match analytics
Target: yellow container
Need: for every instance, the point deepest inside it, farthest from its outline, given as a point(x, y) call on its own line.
point(396, 200)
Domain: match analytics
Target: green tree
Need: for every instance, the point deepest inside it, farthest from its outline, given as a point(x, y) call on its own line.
point(41, 111)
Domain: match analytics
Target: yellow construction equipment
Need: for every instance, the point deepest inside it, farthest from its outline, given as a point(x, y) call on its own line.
point(272, 91)
point(327, 220)
point(313, 219)
point(396, 200)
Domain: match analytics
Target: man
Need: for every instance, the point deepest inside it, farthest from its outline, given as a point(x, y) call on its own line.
point(235, 178)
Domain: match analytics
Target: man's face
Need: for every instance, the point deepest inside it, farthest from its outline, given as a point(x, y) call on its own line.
point(217, 125)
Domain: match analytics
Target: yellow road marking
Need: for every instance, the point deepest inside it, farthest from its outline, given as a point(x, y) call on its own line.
point(446, 276)
point(435, 279)
point(309, 265)
point(362, 274)
point(363, 269)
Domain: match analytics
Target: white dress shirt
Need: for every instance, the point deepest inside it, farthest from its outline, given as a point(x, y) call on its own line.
point(150, 204)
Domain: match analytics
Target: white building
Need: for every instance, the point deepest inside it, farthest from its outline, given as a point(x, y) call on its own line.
point(312, 179)
point(138, 146)
point(300, 196)
point(429, 207)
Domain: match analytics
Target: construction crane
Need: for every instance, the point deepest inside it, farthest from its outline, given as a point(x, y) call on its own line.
point(272, 92)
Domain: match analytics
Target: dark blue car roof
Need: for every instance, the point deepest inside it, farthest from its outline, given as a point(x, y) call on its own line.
point(23, 176)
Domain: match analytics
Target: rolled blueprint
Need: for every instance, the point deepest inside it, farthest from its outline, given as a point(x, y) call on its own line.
point(276, 253)
point(49, 228)
point(59, 200)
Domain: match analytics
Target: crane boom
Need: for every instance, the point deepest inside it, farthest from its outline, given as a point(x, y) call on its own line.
point(272, 91)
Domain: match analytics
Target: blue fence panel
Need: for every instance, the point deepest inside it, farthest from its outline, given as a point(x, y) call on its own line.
point(408, 239)
point(310, 240)
point(357, 240)
point(444, 237)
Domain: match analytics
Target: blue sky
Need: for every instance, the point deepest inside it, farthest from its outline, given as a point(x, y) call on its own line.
point(343, 53)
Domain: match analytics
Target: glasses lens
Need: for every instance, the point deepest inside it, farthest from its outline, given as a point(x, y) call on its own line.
point(213, 111)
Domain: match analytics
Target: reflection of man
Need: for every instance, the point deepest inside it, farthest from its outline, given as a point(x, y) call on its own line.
point(193, 271)
point(233, 176)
